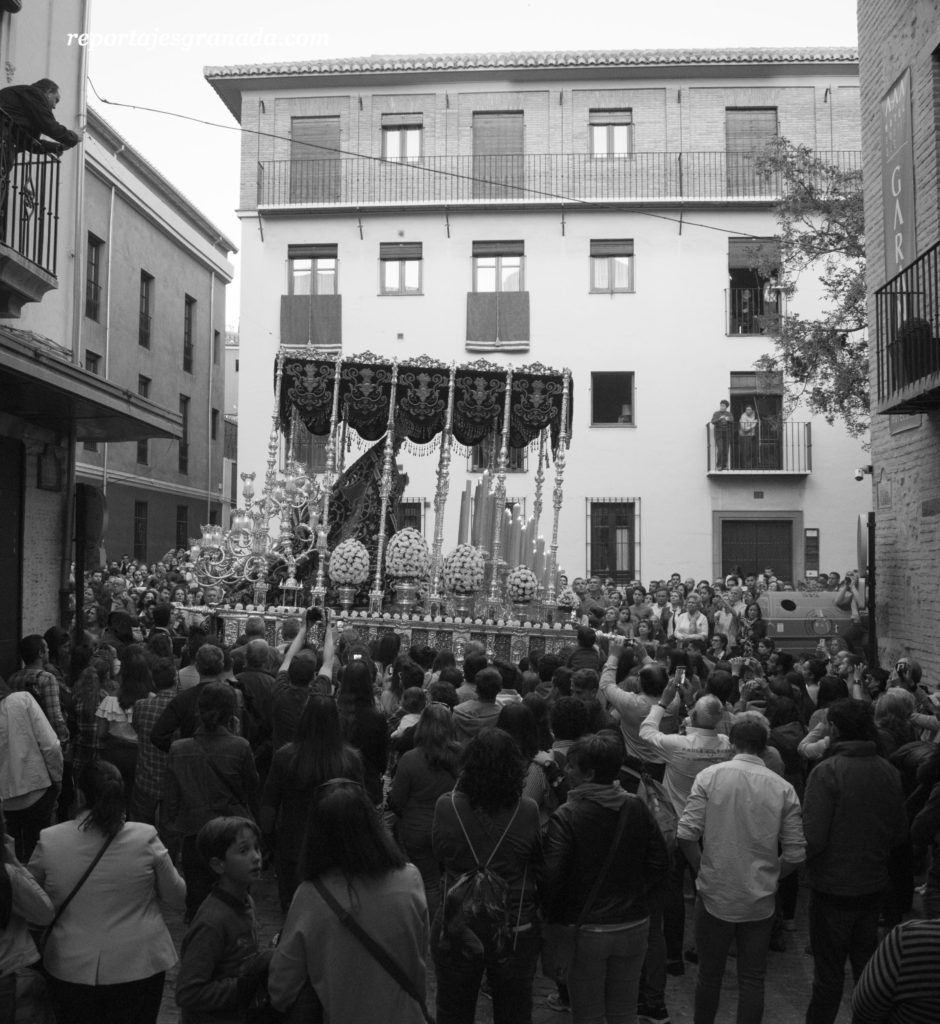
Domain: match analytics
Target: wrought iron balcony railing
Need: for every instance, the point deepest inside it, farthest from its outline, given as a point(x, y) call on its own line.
point(29, 197)
point(747, 307)
point(775, 447)
point(537, 179)
point(907, 348)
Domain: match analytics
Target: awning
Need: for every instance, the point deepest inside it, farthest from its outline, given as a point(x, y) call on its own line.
point(39, 385)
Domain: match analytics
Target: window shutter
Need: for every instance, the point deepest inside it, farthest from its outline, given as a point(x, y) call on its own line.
point(748, 130)
point(747, 253)
point(611, 246)
point(314, 138)
point(610, 117)
point(312, 252)
point(400, 250)
point(403, 120)
point(511, 248)
point(498, 134)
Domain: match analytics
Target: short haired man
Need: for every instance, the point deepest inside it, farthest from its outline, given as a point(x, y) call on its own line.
point(151, 761)
point(180, 717)
point(854, 817)
point(723, 425)
point(748, 821)
point(472, 716)
point(30, 108)
point(35, 678)
point(686, 756)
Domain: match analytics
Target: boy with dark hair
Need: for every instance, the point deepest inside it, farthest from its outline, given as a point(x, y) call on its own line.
point(220, 966)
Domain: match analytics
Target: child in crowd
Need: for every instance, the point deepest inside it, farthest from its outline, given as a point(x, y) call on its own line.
point(413, 701)
point(220, 966)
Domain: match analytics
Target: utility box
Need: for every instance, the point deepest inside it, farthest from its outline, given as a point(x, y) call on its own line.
point(797, 620)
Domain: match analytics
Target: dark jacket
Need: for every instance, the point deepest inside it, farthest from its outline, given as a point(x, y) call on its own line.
point(27, 108)
point(853, 815)
point(220, 943)
point(366, 731)
point(208, 775)
point(579, 836)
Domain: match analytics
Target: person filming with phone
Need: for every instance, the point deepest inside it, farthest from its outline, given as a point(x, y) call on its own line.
point(685, 756)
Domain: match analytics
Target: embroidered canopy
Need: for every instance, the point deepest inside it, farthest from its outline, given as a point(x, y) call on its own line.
point(363, 386)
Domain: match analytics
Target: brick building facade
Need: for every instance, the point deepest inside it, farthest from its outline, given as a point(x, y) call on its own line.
point(899, 54)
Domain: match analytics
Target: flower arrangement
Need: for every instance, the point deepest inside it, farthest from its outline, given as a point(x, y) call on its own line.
point(463, 569)
point(349, 563)
point(568, 599)
point(407, 556)
point(522, 583)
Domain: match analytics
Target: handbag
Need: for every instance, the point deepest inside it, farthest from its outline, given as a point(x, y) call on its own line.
point(375, 950)
point(44, 937)
point(560, 941)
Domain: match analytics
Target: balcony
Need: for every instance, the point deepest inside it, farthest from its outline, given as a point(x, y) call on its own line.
point(29, 220)
point(777, 449)
point(554, 179)
point(907, 349)
point(747, 308)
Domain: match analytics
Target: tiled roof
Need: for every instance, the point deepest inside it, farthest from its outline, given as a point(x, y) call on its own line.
point(377, 64)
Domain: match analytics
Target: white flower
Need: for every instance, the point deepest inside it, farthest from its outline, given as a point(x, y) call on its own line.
point(407, 555)
point(568, 599)
point(522, 584)
point(463, 569)
point(349, 563)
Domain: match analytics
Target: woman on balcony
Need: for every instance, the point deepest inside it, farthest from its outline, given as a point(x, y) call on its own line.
point(747, 438)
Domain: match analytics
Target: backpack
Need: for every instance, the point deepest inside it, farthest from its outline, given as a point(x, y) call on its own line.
point(653, 794)
point(557, 783)
point(475, 914)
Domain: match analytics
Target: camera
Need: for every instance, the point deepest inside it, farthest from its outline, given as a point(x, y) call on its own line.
point(861, 472)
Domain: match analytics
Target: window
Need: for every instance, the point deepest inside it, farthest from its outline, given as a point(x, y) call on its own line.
point(92, 363)
point(90, 446)
point(411, 514)
point(611, 133)
point(748, 132)
point(189, 319)
point(309, 449)
point(400, 264)
point(401, 137)
point(214, 425)
point(611, 265)
point(184, 439)
point(315, 165)
point(753, 293)
point(143, 452)
point(312, 269)
point(612, 399)
point(498, 266)
point(498, 160)
point(485, 455)
point(93, 278)
point(613, 538)
point(146, 309)
point(216, 347)
point(143, 386)
point(140, 530)
point(182, 526)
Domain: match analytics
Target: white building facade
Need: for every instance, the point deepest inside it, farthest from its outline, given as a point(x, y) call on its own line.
point(597, 211)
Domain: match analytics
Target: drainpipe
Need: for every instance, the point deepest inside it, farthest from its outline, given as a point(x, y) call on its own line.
point(209, 406)
point(78, 262)
point(107, 328)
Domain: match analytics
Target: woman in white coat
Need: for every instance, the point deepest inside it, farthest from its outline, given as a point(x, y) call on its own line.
point(109, 950)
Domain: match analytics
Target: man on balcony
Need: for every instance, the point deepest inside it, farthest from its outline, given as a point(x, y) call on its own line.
point(29, 108)
point(723, 422)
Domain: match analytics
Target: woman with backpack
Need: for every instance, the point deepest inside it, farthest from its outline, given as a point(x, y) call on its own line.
point(543, 776)
point(487, 837)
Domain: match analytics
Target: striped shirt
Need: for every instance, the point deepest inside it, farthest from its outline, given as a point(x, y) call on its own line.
point(901, 982)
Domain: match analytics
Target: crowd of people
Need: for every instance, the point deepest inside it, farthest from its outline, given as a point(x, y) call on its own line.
point(482, 819)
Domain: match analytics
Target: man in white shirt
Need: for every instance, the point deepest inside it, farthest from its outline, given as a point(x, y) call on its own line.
point(685, 756)
point(743, 813)
point(691, 624)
